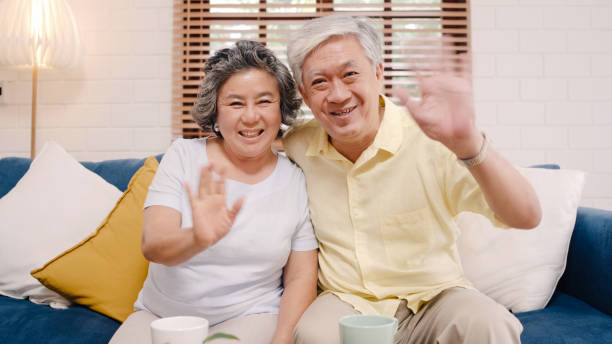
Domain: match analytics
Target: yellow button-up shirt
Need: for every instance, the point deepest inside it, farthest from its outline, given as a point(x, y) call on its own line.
point(385, 223)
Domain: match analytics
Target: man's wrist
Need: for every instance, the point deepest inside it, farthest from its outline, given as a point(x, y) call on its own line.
point(479, 157)
point(281, 338)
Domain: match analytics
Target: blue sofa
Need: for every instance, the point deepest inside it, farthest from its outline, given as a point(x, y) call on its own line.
point(579, 312)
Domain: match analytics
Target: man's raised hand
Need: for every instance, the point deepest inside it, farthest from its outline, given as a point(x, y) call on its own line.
point(445, 111)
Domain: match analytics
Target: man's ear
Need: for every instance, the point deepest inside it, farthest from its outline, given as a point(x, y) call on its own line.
point(379, 74)
point(303, 94)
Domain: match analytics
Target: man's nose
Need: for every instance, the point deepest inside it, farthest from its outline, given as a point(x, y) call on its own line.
point(339, 92)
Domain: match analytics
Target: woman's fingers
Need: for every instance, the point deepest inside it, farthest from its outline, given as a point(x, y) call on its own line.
point(219, 183)
point(209, 183)
point(236, 208)
point(189, 193)
point(205, 187)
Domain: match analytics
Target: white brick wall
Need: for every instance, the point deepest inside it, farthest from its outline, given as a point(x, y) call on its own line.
point(542, 76)
point(116, 103)
point(552, 60)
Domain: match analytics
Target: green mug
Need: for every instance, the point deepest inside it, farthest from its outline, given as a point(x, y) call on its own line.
point(367, 329)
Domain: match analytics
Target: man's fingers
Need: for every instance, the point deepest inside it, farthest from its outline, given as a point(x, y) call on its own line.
point(406, 98)
point(465, 66)
point(448, 56)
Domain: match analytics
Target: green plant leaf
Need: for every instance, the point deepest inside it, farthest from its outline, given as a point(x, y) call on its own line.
point(219, 336)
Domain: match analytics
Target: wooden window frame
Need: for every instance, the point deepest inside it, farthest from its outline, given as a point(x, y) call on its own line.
point(192, 42)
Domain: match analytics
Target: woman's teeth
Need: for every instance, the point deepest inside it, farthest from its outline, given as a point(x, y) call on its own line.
point(251, 133)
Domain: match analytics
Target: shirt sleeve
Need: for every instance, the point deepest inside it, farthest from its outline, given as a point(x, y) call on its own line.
point(167, 186)
point(463, 192)
point(303, 238)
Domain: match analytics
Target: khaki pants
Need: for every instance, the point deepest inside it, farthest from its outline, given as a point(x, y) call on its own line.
point(457, 315)
point(256, 329)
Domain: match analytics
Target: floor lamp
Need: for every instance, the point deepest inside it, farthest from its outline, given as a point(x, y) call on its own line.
point(37, 34)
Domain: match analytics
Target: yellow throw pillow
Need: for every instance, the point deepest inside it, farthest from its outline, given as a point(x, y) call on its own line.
point(106, 271)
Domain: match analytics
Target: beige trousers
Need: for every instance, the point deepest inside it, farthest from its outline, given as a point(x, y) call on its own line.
point(457, 315)
point(256, 329)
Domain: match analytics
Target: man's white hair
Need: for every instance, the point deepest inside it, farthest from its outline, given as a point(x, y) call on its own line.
point(319, 30)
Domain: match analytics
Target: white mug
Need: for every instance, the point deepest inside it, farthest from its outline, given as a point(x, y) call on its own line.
point(367, 329)
point(179, 330)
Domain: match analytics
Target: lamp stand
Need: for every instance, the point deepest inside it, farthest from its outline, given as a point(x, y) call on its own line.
point(33, 126)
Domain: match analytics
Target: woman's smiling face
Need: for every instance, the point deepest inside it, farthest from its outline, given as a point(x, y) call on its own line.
point(248, 113)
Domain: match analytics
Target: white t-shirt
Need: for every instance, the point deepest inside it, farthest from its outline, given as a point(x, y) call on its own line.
point(242, 273)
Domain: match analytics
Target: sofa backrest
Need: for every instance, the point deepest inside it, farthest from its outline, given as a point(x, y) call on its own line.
point(117, 172)
point(11, 170)
point(588, 275)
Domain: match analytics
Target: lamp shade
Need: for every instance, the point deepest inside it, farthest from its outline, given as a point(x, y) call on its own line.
point(39, 33)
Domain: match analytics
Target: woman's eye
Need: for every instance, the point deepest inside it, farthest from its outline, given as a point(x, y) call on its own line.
point(235, 103)
point(264, 101)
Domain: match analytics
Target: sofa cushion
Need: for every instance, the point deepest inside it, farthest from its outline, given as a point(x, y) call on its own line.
point(565, 320)
point(22, 321)
point(56, 204)
point(106, 271)
point(517, 268)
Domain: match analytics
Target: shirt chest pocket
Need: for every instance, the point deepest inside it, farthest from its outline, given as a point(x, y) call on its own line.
point(409, 237)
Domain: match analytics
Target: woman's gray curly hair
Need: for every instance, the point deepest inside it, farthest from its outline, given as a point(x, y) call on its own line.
point(229, 61)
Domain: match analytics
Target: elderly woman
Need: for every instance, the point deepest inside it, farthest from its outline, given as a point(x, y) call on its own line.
point(226, 223)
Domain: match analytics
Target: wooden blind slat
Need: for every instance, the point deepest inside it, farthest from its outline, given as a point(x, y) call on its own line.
point(280, 15)
point(222, 30)
point(248, 20)
point(181, 5)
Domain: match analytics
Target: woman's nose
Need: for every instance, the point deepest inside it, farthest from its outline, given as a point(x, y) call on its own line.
point(250, 114)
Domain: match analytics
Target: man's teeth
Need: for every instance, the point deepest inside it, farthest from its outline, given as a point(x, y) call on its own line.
point(343, 112)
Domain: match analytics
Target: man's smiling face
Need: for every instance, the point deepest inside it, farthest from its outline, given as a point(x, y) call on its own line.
point(341, 88)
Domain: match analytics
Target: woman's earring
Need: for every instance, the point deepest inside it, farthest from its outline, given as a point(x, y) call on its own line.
point(216, 127)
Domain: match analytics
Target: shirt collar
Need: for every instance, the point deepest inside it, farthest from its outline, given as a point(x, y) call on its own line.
point(390, 132)
point(320, 145)
point(388, 137)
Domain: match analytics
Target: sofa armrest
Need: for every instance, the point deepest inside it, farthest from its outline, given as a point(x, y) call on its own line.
point(588, 275)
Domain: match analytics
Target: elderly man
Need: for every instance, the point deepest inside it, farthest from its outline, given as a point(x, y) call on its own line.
point(385, 186)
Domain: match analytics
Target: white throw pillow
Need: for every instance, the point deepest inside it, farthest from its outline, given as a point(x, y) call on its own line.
point(55, 205)
point(520, 268)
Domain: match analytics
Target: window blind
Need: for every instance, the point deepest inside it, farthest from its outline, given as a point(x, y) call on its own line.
point(412, 32)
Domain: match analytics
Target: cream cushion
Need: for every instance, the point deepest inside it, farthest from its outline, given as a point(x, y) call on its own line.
point(56, 204)
point(518, 268)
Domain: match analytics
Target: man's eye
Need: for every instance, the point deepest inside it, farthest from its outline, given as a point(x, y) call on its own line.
point(317, 81)
point(350, 74)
